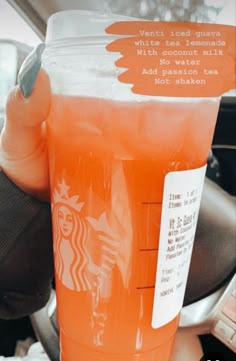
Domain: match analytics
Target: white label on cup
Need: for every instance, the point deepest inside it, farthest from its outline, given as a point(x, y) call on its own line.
point(180, 208)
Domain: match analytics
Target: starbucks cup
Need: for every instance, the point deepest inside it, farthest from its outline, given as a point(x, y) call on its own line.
point(126, 174)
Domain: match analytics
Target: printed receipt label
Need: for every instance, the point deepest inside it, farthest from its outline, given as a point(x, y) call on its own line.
point(180, 208)
point(175, 59)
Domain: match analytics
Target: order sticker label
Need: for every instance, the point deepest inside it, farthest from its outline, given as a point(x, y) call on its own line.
point(174, 58)
point(180, 208)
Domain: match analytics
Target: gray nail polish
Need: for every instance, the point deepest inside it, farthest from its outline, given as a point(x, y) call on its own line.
point(29, 70)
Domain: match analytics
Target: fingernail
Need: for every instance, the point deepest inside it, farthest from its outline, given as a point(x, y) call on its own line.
point(29, 70)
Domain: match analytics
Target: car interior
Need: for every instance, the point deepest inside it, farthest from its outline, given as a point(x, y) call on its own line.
point(210, 300)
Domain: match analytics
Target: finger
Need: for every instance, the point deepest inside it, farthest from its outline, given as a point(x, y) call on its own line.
point(29, 70)
point(23, 132)
point(31, 99)
point(23, 150)
point(31, 111)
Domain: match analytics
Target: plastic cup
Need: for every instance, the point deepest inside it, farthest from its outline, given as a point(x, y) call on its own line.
point(109, 152)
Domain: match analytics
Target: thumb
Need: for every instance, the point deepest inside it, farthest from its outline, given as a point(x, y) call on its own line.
point(23, 151)
point(23, 130)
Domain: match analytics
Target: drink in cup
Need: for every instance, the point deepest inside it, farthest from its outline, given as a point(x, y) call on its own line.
point(110, 153)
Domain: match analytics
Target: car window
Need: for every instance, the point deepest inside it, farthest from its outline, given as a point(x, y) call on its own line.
point(16, 41)
point(20, 31)
point(212, 11)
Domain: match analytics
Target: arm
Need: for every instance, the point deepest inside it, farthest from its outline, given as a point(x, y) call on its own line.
point(26, 261)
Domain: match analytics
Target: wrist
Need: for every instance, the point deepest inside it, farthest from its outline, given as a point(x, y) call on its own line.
point(41, 196)
point(28, 189)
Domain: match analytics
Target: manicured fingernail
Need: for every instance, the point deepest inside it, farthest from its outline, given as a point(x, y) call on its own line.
point(29, 70)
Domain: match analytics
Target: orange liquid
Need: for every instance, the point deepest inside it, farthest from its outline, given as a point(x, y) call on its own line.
point(114, 156)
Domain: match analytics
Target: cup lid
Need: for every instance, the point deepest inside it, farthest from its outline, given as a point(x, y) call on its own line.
point(78, 23)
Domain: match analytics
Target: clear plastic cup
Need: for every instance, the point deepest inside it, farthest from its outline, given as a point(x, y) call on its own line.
point(110, 151)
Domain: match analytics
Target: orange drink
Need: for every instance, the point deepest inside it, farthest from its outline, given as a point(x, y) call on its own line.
point(133, 112)
point(108, 162)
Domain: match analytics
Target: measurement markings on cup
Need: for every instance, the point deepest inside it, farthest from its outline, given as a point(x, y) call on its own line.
point(147, 203)
point(149, 253)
